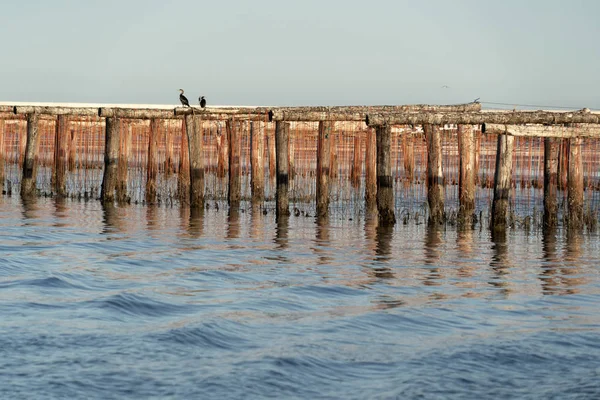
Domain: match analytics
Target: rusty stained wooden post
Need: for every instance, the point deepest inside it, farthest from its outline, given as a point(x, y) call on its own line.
point(551, 147)
point(2, 154)
point(152, 164)
point(326, 129)
point(195, 143)
point(408, 149)
point(111, 156)
point(235, 163)
point(435, 175)
point(563, 164)
point(125, 137)
point(61, 152)
point(169, 165)
point(371, 169)
point(22, 145)
point(466, 180)
point(502, 181)
point(72, 139)
point(257, 161)
point(28, 183)
point(575, 184)
point(333, 155)
point(282, 130)
point(183, 184)
point(222, 152)
point(291, 147)
point(356, 161)
point(272, 150)
point(385, 182)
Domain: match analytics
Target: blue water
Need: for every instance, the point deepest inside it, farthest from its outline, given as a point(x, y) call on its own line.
point(142, 302)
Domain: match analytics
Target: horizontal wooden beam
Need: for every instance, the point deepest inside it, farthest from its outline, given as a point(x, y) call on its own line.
point(50, 110)
point(473, 118)
point(6, 109)
point(556, 131)
point(136, 113)
point(232, 111)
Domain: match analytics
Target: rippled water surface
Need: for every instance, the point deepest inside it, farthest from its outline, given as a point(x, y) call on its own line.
point(142, 302)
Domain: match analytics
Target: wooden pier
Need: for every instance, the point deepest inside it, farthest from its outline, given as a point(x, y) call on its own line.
point(302, 154)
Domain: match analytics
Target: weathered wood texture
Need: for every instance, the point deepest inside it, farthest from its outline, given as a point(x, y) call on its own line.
point(235, 166)
point(2, 154)
point(502, 181)
point(435, 176)
point(152, 163)
point(196, 149)
point(575, 185)
point(551, 146)
point(371, 169)
point(72, 148)
point(183, 184)
point(50, 110)
point(111, 155)
point(466, 179)
point(28, 183)
point(125, 137)
point(61, 153)
point(257, 161)
point(326, 130)
point(554, 131)
point(408, 156)
point(222, 153)
point(282, 130)
point(504, 118)
point(356, 160)
point(385, 183)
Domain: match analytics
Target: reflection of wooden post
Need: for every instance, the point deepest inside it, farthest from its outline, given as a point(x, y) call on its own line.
point(385, 183)
point(550, 182)
point(409, 156)
point(235, 166)
point(257, 150)
point(371, 169)
point(124, 152)
point(111, 156)
point(435, 176)
point(195, 139)
point(575, 184)
point(323, 163)
point(61, 149)
point(281, 143)
point(28, 183)
point(72, 149)
point(502, 181)
point(2, 155)
point(152, 166)
point(466, 180)
point(356, 161)
point(183, 184)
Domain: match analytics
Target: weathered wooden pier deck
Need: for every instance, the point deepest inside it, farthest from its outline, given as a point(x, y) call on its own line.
point(448, 161)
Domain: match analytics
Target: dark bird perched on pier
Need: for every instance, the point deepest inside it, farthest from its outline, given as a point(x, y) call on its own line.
point(202, 101)
point(184, 101)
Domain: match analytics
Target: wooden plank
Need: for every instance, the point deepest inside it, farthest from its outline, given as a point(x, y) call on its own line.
point(435, 176)
point(555, 131)
point(50, 110)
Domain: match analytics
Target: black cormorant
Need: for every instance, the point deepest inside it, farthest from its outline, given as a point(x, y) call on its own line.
point(202, 101)
point(184, 101)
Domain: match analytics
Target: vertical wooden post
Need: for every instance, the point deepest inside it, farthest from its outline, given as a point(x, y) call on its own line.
point(72, 148)
point(356, 161)
point(466, 180)
point(551, 146)
point(409, 156)
point(333, 155)
point(195, 139)
point(478, 137)
point(435, 175)
point(61, 151)
point(291, 147)
point(563, 164)
point(502, 181)
point(575, 184)
point(271, 143)
point(282, 130)
point(22, 145)
point(169, 167)
point(28, 183)
point(257, 161)
point(222, 152)
point(111, 156)
point(385, 182)
point(152, 165)
point(125, 137)
point(2, 155)
point(184, 169)
point(235, 166)
point(326, 129)
point(371, 169)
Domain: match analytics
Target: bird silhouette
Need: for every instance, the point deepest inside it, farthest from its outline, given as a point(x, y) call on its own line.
point(184, 101)
point(476, 100)
point(202, 101)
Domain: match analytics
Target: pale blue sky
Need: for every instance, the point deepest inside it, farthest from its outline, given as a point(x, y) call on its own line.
point(268, 52)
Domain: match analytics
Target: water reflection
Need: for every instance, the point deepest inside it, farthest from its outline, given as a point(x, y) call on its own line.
point(233, 223)
point(111, 219)
point(500, 262)
point(281, 232)
point(60, 212)
point(257, 221)
point(433, 254)
point(322, 241)
point(30, 209)
point(192, 221)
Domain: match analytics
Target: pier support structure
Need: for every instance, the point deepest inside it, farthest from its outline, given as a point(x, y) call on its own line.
point(326, 129)
point(111, 158)
point(502, 181)
point(435, 176)
point(282, 130)
point(385, 182)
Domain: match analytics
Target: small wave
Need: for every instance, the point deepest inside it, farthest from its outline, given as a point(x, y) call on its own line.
point(208, 335)
point(135, 305)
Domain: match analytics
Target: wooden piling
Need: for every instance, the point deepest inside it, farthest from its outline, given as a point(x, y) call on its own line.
point(235, 166)
point(125, 136)
point(563, 164)
point(169, 164)
point(371, 169)
point(551, 148)
point(271, 145)
point(385, 182)
point(333, 155)
point(408, 149)
point(152, 163)
point(435, 176)
point(257, 150)
point(466, 180)
point(2, 155)
point(28, 183)
point(291, 149)
point(61, 152)
point(356, 161)
point(281, 146)
point(326, 129)
point(183, 184)
point(502, 181)
point(72, 148)
point(222, 152)
point(195, 143)
point(575, 184)
point(111, 156)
